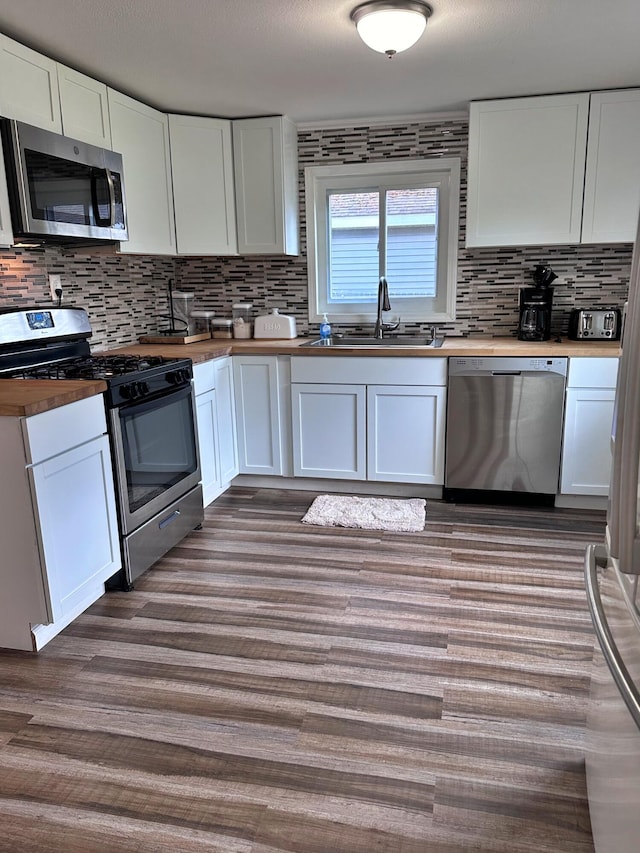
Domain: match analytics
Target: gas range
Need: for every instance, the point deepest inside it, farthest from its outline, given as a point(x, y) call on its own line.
point(151, 424)
point(53, 344)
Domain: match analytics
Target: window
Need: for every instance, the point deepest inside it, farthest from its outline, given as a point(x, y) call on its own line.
point(398, 220)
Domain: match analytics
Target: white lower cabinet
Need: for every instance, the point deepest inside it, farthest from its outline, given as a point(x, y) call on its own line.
point(262, 391)
point(586, 446)
point(226, 419)
point(329, 431)
point(75, 507)
point(207, 445)
point(58, 521)
point(361, 418)
point(405, 436)
point(215, 415)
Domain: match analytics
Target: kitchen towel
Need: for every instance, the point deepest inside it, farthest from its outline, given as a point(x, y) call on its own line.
point(397, 515)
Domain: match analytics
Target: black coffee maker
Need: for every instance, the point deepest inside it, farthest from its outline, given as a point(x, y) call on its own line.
point(535, 306)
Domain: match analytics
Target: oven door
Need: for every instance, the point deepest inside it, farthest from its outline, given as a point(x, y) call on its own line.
point(156, 454)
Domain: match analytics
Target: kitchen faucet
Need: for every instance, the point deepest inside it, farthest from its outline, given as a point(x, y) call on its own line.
point(383, 305)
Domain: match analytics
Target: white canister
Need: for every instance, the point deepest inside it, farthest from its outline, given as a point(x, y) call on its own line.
point(275, 325)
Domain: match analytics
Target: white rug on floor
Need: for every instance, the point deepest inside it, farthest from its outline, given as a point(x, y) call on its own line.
point(401, 515)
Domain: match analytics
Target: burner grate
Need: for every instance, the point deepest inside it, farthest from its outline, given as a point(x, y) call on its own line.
point(93, 367)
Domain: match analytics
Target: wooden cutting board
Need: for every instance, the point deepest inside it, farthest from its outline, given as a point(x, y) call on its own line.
point(174, 339)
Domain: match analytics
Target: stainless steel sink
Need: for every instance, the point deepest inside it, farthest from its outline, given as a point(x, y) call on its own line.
point(375, 342)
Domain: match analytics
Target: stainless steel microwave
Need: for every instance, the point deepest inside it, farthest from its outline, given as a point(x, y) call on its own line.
point(61, 189)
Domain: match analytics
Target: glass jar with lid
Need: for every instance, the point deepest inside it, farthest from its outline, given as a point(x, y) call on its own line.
point(242, 314)
point(202, 321)
point(181, 308)
point(221, 327)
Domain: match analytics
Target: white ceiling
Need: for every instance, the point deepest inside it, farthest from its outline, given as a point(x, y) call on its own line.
point(303, 58)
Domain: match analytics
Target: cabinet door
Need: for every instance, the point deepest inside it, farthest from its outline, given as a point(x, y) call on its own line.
point(329, 431)
point(85, 108)
point(208, 446)
point(226, 420)
point(586, 449)
point(405, 434)
point(258, 414)
point(266, 181)
point(28, 86)
point(203, 194)
point(6, 231)
point(526, 170)
point(78, 529)
point(141, 135)
point(612, 180)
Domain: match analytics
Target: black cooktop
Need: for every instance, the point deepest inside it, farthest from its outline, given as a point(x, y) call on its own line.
point(104, 367)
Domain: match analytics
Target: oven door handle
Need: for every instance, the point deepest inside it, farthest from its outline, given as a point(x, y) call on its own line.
point(155, 401)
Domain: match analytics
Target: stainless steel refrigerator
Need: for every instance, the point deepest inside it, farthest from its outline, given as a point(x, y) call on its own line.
point(612, 570)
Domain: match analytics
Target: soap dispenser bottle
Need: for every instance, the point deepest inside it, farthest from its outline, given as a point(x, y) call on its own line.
point(325, 328)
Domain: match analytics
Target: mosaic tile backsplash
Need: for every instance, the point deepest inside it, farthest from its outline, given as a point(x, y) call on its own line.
point(126, 296)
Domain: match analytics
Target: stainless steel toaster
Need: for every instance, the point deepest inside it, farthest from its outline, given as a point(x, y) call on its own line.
point(594, 324)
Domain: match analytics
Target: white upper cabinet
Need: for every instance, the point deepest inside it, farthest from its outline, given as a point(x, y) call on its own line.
point(29, 86)
point(141, 135)
point(265, 152)
point(526, 170)
point(612, 181)
point(46, 94)
point(203, 194)
point(85, 108)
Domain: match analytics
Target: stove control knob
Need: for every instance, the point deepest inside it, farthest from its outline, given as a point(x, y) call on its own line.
point(178, 377)
point(134, 390)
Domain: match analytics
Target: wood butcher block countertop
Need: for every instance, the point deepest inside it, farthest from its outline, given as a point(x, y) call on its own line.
point(478, 346)
point(24, 397)
point(21, 397)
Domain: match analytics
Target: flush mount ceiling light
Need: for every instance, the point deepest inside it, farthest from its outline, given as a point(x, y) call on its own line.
point(390, 26)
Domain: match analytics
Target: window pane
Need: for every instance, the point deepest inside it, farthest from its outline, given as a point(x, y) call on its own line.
point(412, 250)
point(354, 227)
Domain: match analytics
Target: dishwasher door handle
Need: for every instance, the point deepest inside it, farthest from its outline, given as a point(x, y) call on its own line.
point(506, 373)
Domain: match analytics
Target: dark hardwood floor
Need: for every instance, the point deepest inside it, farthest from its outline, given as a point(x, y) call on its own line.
point(271, 686)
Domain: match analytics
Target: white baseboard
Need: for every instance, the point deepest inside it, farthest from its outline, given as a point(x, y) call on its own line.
point(361, 487)
point(395, 489)
point(42, 634)
point(581, 501)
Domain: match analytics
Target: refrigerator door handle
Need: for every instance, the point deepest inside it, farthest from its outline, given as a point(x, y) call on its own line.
point(623, 511)
point(595, 557)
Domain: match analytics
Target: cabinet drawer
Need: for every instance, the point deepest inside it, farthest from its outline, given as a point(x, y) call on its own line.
point(204, 377)
point(592, 372)
point(369, 370)
point(53, 432)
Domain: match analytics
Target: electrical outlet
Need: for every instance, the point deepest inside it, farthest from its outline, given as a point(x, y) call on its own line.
point(55, 283)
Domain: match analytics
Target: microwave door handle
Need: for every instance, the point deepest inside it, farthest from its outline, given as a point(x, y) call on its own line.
point(105, 174)
point(112, 198)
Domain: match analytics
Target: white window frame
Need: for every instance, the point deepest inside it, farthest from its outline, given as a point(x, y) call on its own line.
point(443, 172)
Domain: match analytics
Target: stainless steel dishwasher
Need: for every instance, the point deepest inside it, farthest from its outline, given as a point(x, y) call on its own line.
point(504, 428)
